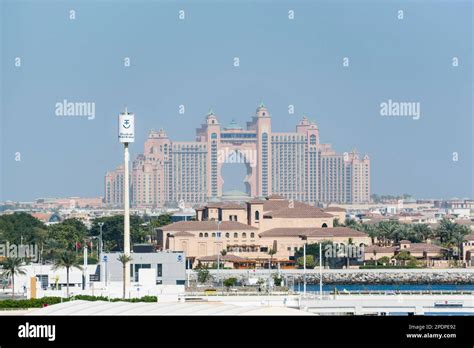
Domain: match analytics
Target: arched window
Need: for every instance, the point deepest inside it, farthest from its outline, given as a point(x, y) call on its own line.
point(206, 235)
point(213, 235)
point(236, 235)
point(244, 235)
point(227, 235)
point(312, 139)
point(252, 235)
point(324, 225)
point(200, 235)
point(257, 215)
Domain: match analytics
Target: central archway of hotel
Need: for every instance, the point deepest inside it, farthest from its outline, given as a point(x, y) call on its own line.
point(236, 174)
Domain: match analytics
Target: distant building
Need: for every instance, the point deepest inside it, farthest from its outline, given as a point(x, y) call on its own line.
point(170, 267)
point(248, 231)
point(422, 251)
point(295, 165)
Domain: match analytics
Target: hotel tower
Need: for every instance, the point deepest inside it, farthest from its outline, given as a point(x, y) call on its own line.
point(294, 165)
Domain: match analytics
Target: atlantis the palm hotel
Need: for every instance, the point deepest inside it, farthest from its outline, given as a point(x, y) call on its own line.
point(290, 176)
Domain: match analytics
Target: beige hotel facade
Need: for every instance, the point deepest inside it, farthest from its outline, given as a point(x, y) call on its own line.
point(248, 231)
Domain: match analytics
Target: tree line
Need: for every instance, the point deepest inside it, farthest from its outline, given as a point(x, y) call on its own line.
point(72, 234)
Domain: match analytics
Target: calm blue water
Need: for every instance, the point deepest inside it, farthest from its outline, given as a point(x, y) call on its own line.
point(387, 287)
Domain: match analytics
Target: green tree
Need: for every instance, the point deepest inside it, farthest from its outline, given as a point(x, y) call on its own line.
point(350, 223)
point(387, 231)
point(229, 282)
point(112, 231)
point(271, 252)
point(310, 263)
point(384, 260)
point(451, 235)
point(203, 274)
point(12, 267)
point(371, 231)
point(67, 234)
point(68, 260)
point(18, 228)
point(313, 249)
point(350, 244)
point(422, 232)
point(277, 280)
point(403, 256)
point(124, 260)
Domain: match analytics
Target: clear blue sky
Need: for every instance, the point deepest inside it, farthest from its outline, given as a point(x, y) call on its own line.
point(190, 62)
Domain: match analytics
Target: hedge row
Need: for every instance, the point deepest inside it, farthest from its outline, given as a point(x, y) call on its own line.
point(45, 301)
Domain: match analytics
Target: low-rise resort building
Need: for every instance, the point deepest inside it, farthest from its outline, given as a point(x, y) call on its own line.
point(256, 233)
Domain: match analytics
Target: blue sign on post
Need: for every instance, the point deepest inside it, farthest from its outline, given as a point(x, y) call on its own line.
point(180, 258)
point(105, 258)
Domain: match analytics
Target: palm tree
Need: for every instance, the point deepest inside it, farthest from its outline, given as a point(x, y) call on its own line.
point(12, 267)
point(422, 232)
point(349, 251)
point(68, 260)
point(370, 230)
point(387, 230)
point(445, 230)
point(124, 259)
point(451, 234)
point(271, 252)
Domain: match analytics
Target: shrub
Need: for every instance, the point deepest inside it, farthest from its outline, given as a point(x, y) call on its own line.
point(230, 282)
point(45, 301)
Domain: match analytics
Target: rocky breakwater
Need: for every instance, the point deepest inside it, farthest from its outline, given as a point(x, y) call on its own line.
point(393, 277)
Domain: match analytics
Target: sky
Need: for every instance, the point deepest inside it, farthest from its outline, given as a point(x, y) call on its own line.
point(190, 62)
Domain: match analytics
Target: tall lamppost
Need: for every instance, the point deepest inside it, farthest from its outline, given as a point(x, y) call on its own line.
point(320, 270)
point(126, 135)
point(305, 239)
point(218, 236)
point(100, 249)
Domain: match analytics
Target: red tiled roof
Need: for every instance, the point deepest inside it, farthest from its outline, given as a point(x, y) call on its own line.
point(183, 234)
point(207, 226)
point(379, 249)
point(42, 216)
point(421, 247)
point(313, 232)
point(225, 258)
point(469, 237)
point(226, 205)
point(300, 212)
point(335, 209)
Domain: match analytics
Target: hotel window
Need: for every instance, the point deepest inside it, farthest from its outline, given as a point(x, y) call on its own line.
point(236, 235)
point(244, 235)
point(252, 235)
point(227, 235)
point(206, 235)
